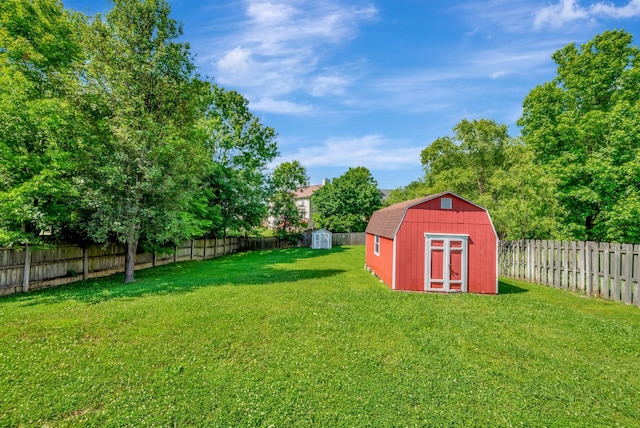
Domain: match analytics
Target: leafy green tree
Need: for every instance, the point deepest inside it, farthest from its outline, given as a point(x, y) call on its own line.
point(240, 148)
point(347, 203)
point(287, 178)
point(144, 100)
point(39, 127)
point(414, 190)
point(583, 129)
point(465, 162)
point(482, 163)
point(523, 203)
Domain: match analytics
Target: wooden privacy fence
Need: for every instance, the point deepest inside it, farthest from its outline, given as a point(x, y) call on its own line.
point(601, 269)
point(348, 239)
point(27, 270)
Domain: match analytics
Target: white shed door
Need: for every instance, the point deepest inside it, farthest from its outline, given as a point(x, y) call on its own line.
point(446, 263)
point(321, 241)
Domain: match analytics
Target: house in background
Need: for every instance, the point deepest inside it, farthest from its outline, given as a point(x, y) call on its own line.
point(303, 202)
point(305, 206)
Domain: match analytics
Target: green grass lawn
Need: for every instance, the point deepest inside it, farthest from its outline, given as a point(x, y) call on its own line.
point(308, 338)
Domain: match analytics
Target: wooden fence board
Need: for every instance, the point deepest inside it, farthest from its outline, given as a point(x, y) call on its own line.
point(543, 263)
point(573, 257)
point(536, 261)
point(615, 287)
point(557, 249)
point(606, 270)
point(636, 274)
point(564, 280)
point(595, 268)
point(626, 271)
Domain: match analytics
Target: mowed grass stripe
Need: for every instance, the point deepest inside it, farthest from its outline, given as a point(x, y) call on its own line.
point(308, 338)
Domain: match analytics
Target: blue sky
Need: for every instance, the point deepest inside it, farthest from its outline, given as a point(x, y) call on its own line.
point(371, 83)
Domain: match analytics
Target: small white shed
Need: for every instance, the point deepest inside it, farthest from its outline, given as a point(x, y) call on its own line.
point(321, 239)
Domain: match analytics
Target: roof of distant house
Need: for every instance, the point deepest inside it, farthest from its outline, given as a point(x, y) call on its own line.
point(306, 192)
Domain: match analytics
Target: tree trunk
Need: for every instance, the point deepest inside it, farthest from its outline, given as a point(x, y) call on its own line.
point(130, 261)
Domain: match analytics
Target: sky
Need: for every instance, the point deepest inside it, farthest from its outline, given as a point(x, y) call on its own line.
point(371, 83)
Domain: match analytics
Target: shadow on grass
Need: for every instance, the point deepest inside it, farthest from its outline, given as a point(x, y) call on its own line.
point(505, 288)
point(255, 268)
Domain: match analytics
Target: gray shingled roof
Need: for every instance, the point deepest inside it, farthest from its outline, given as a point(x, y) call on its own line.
point(385, 222)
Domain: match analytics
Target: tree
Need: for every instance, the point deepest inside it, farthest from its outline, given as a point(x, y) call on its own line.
point(414, 190)
point(239, 149)
point(465, 162)
point(347, 203)
point(39, 127)
point(523, 203)
point(583, 129)
point(144, 99)
point(482, 163)
point(287, 178)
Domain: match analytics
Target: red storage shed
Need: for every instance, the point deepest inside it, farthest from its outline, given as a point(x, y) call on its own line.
point(439, 243)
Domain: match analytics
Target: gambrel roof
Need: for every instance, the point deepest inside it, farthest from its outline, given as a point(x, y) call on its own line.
point(386, 222)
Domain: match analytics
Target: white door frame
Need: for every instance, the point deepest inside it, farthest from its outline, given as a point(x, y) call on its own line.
point(446, 261)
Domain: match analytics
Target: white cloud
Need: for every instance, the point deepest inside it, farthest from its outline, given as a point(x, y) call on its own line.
point(629, 11)
point(270, 105)
point(372, 151)
point(438, 89)
point(281, 46)
point(488, 17)
point(557, 14)
point(268, 13)
point(570, 10)
point(236, 61)
point(329, 85)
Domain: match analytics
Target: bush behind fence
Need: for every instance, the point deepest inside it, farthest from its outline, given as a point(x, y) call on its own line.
point(600, 269)
point(25, 270)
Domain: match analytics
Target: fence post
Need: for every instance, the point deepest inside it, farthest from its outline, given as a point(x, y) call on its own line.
point(574, 265)
point(557, 264)
point(565, 266)
point(636, 274)
point(581, 266)
point(595, 268)
point(534, 260)
point(626, 273)
point(606, 270)
point(615, 289)
point(588, 274)
point(85, 263)
point(543, 263)
point(529, 275)
point(27, 269)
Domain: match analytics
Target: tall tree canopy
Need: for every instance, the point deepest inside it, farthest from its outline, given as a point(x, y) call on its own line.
point(38, 125)
point(141, 87)
point(239, 148)
point(466, 161)
point(583, 128)
point(347, 203)
point(482, 163)
point(287, 178)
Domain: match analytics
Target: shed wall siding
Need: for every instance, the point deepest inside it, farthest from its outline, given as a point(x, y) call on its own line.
point(381, 265)
point(463, 218)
